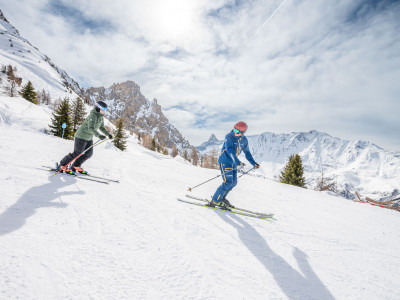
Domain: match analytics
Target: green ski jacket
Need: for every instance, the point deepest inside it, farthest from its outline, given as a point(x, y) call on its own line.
point(89, 127)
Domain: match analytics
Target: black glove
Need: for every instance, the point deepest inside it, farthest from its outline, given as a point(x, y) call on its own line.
point(110, 136)
point(256, 166)
point(102, 137)
point(241, 166)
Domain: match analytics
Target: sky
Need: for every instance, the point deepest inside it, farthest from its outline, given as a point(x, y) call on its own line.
point(281, 66)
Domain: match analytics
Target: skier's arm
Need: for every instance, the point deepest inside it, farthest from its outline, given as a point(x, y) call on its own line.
point(103, 129)
point(248, 155)
point(90, 125)
point(231, 151)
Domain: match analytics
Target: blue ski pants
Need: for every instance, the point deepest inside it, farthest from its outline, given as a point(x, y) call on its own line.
point(229, 177)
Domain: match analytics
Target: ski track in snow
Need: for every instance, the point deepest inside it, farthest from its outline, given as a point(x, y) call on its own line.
point(67, 238)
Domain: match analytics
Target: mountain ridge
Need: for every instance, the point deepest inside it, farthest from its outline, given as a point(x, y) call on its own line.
point(355, 165)
point(126, 101)
point(32, 65)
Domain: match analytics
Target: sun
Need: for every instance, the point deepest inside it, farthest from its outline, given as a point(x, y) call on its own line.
point(175, 19)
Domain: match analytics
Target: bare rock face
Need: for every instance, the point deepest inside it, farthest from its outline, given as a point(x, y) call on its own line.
point(125, 100)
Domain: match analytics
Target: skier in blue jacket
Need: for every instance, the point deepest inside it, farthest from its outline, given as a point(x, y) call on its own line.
point(228, 161)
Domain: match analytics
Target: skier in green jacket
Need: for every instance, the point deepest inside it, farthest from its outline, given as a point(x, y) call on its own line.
point(84, 139)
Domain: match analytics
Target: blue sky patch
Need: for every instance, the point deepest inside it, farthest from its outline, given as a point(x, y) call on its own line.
point(78, 20)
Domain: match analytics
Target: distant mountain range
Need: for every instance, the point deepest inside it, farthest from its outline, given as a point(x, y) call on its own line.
point(353, 165)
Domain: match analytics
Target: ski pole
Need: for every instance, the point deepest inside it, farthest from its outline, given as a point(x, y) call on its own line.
point(190, 189)
point(95, 144)
point(246, 172)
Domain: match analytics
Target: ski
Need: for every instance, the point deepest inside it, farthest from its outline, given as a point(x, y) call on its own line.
point(76, 176)
point(93, 176)
point(236, 208)
point(228, 211)
point(98, 177)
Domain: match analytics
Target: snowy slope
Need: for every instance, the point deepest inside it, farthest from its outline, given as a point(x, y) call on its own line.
point(354, 165)
point(32, 65)
point(67, 238)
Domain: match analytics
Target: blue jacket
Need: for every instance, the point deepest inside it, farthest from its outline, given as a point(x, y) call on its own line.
point(232, 148)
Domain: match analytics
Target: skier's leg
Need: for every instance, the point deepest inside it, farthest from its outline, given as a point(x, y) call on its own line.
point(226, 185)
point(88, 154)
point(79, 147)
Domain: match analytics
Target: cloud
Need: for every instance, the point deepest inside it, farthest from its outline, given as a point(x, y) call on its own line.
point(328, 65)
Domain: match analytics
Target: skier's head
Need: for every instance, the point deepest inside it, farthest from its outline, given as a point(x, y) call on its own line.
point(240, 128)
point(100, 105)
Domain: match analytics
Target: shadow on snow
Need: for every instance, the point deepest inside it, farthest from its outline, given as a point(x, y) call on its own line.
point(36, 197)
point(295, 285)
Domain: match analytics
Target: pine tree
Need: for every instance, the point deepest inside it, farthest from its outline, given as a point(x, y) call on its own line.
point(165, 151)
point(147, 141)
point(213, 158)
point(119, 140)
point(174, 152)
point(186, 155)
point(78, 113)
point(195, 157)
point(28, 92)
point(293, 172)
point(60, 116)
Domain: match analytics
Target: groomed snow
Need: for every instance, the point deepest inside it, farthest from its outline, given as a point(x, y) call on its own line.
point(66, 238)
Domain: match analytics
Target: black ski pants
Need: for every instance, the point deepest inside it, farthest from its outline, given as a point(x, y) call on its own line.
point(80, 146)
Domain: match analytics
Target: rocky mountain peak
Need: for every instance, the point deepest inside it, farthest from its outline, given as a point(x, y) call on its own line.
point(2, 17)
point(212, 138)
point(126, 101)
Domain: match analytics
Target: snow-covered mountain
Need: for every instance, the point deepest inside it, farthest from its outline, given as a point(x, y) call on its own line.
point(212, 143)
point(62, 237)
point(32, 65)
point(142, 116)
point(354, 165)
point(125, 99)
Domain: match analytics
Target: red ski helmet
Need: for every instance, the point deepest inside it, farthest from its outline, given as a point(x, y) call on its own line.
point(241, 126)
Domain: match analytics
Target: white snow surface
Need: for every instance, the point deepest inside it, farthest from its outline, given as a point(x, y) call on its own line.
point(66, 238)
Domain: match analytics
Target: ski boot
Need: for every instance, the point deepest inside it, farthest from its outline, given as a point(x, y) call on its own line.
point(79, 169)
point(220, 205)
point(227, 203)
point(64, 169)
